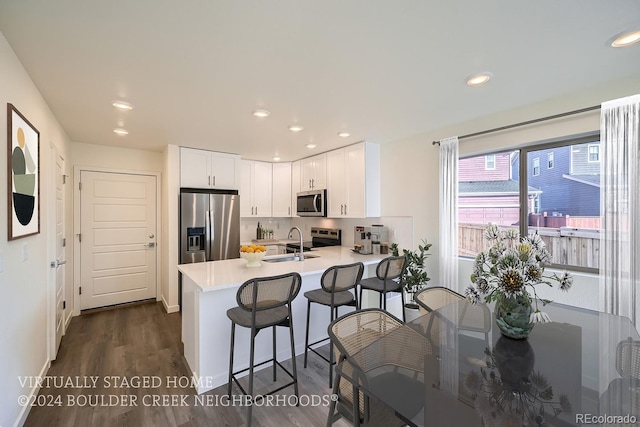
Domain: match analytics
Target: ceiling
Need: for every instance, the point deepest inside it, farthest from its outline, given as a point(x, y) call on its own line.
point(383, 70)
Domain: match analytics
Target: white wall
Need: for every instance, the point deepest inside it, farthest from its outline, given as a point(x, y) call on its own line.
point(410, 167)
point(24, 284)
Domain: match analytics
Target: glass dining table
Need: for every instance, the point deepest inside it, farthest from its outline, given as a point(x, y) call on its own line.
point(452, 367)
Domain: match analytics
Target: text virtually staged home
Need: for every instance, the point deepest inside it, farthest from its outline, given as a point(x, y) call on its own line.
point(320, 213)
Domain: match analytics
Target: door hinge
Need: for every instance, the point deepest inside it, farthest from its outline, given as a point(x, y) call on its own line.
point(64, 242)
point(64, 179)
point(80, 290)
point(80, 186)
point(79, 237)
point(64, 305)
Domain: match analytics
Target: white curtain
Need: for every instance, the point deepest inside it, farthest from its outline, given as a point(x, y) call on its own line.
point(620, 206)
point(449, 214)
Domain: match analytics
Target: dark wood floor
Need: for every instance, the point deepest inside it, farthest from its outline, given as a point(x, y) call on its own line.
point(144, 341)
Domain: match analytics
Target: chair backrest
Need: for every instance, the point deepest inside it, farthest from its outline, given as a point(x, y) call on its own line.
point(342, 277)
point(263, 293)
point(435, 297)
point(390, 269)
point(628, 358)
point(356, 330)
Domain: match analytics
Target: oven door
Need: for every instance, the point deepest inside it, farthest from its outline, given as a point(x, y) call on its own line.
point(312, 203)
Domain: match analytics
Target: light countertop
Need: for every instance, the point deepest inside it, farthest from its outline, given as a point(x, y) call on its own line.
point(215, 275)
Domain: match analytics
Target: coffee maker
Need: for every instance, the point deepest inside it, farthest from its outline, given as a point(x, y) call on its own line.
point(371, 240)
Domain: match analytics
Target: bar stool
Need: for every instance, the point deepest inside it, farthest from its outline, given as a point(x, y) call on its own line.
point(389, 275)
point(435, 297)
point(264, 302)
point(336, 282)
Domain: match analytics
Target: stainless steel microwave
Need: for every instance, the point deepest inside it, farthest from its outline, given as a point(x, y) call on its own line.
point(312, 203)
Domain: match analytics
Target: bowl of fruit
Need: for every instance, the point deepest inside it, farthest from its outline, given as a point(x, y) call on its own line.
point(253, 254)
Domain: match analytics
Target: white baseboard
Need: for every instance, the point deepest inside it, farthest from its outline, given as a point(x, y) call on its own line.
point(170, 308)
point(24, 412)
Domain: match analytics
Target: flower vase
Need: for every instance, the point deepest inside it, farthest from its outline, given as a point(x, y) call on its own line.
point(513, 317)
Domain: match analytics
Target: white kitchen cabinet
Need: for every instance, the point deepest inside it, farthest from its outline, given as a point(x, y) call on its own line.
point(209, 169)
point(313, 173)
point(353, 181)
point(255, 189)
point(295, 186)
point(281, 206)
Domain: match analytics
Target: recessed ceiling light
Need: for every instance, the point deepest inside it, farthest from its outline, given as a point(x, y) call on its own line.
point(311, 146)
point(261, 113)
point(276, 159)
point(121, 132)
point(344, 134)
point(626, 39)
point(122, 105)
point(295, 128)
point(479, 79)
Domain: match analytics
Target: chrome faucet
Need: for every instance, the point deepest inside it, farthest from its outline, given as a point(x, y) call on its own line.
point(301, 244)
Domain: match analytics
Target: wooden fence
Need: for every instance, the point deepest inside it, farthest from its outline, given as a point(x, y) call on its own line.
point(567, 246)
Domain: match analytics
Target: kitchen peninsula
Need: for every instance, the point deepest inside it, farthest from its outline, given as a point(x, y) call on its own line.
point(209, 290)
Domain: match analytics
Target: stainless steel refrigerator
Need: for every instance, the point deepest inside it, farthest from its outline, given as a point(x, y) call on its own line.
point(209, 225)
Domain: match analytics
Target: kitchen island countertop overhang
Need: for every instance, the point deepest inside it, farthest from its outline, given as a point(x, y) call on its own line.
point(209, 290)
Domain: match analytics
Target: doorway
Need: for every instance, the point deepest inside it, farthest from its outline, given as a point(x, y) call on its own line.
point(117, 238)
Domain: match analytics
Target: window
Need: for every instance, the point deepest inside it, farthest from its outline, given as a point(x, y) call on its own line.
point(490, 162)
point(563, 208)
point(594, 152)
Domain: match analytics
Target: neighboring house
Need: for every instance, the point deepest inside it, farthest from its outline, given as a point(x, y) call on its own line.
point(487, 191)
point(569, 180)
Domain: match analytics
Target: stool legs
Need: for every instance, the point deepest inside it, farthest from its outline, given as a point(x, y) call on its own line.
point(293, 362)
point(233, 336)
point(251, 357)
point(274, 353)
point(306, 336)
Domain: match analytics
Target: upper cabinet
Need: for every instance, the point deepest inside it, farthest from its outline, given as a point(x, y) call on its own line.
point(209, 169)
point(255, 189)
point(282, 206)
point(295, 187)
point(313, 173)
point(353, 181)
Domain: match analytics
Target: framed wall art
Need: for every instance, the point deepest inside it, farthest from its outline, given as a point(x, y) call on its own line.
point(23, 158)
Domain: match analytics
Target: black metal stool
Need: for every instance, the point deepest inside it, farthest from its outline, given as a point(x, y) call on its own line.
point(264, 302)
point(389, 274)
point(336, 282)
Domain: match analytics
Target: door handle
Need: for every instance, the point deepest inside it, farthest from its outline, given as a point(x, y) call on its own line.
point(56, 263)
point(151, 244)
point(214, 180)
point(341, 209)
point(345, 209)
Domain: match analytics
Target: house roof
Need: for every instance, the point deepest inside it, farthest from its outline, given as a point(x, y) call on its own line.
point(589, 179)
point(492, 187)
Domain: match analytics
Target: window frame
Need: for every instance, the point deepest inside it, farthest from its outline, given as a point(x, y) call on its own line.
point(523, 152)
point(533, 166)
point(597, 147)
point(486, 162)
point(551, 161)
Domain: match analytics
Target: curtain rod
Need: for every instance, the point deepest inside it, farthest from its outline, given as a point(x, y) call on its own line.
point(528, 122)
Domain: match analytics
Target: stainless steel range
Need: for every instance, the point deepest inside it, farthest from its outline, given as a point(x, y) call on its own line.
point(320, 237)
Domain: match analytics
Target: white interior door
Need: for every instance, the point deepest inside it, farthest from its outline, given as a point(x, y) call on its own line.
point(118, 236)
point(59, 264)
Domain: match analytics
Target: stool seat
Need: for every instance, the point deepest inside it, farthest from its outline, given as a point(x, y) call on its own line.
point(320, 296)
point(264, 319)
point(375, 284)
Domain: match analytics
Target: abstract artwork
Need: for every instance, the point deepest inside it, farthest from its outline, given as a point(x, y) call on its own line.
point(23, 169)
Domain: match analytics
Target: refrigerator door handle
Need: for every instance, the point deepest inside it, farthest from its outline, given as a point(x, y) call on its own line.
point(211, 234)
point(207, 236)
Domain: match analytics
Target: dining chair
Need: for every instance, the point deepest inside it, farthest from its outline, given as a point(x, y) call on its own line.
point(262, 303)
point(389, 274)
point(433, 298)
point(349, 334)
point(336, 285)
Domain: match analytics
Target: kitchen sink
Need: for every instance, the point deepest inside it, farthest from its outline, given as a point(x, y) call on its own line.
point(289, 258)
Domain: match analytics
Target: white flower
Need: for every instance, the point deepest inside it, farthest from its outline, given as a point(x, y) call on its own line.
point(566, 281)
point(472, 295)
point(492, 232)
point(539, 317)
